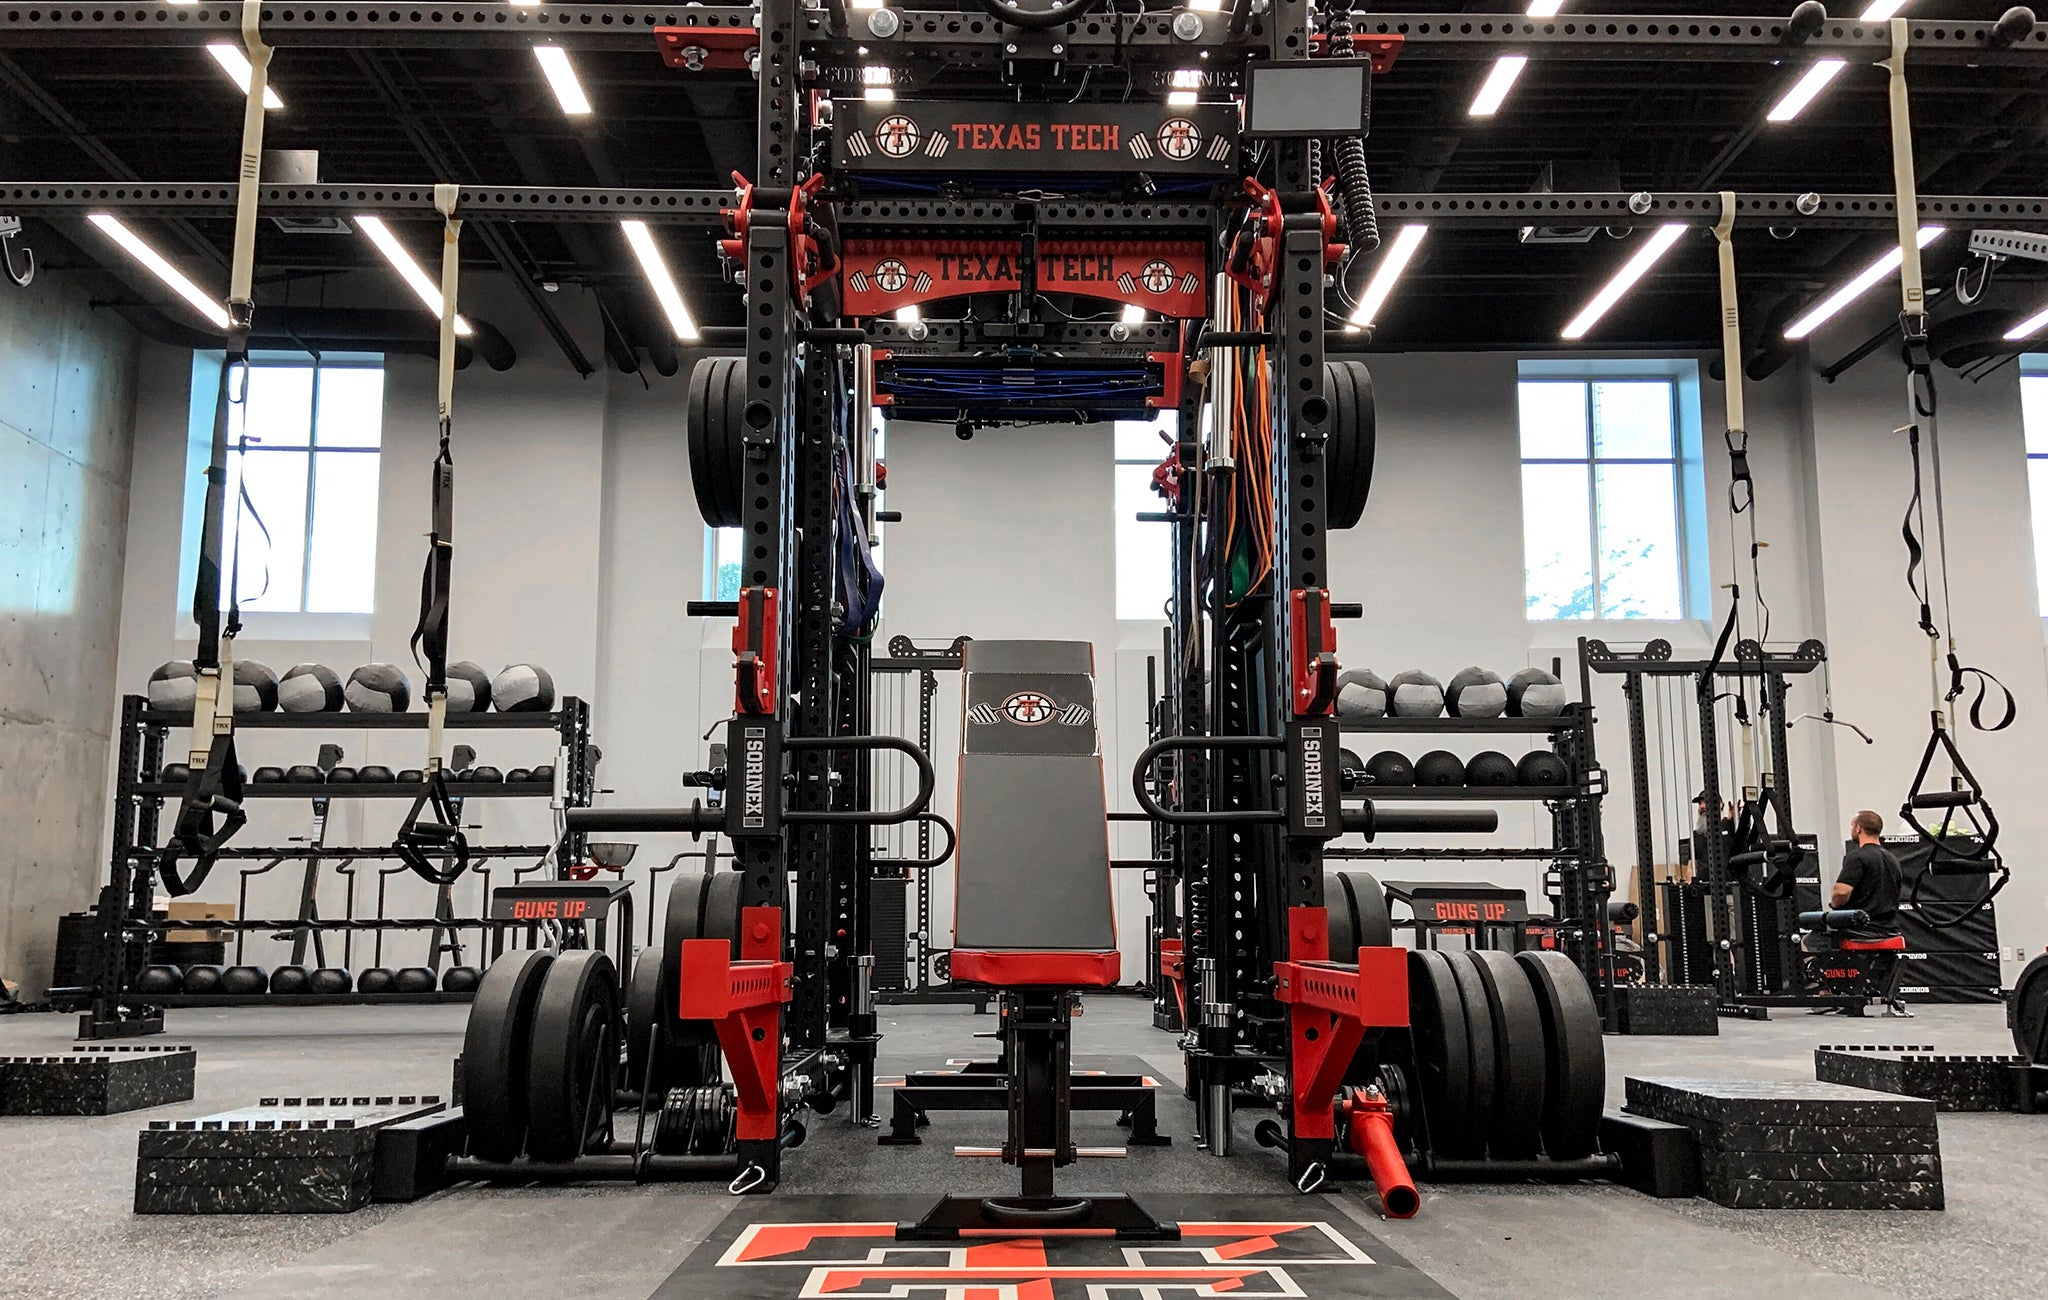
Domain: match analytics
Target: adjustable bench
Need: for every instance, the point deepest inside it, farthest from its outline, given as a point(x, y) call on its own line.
point(1033, 917)
point(1864, 969)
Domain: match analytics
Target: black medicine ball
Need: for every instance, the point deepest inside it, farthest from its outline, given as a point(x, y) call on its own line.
point(1541, 767)
point(1439, 767)
point(1390, 768)
point(245, 980)
point(1490, 769)
point(375, 980)
point(414, 979)
point(376, 772)
point(291, 979)
point(202, 979)
point(332, 979)
point(304, 774)
point(342, 775)
point(160, 979)
point(268, 775)
point(461, 979)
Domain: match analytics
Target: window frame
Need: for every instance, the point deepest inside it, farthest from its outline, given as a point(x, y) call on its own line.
point(1165, 418)
point(2034, 365)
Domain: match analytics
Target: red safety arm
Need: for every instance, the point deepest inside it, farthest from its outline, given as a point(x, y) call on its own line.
point(754, 644)
point(1331, 1007)
point(1173, 968)
point(1315, 652)
point(744, 1000)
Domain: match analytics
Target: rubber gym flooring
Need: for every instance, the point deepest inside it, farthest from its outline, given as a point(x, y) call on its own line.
point(66, 1229)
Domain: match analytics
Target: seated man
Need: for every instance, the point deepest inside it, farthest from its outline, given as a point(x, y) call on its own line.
point(1869, 882)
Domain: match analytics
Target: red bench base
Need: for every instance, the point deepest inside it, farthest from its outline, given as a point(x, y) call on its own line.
point(1070, 970)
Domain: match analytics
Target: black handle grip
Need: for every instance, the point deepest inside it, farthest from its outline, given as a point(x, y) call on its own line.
point(645, 819)
point(1943, 799)
point(1143, 769)
point(1373, 820)
point(712, 608)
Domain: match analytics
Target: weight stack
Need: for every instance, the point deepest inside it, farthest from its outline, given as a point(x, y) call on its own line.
point(1674, 1009)
point(284, 1155)
point(889, 923)
point(78, 937)
point(1802, 1146)
point(96, 1080)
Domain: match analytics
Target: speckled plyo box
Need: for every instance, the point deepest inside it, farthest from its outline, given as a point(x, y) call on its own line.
point(284, 1155)
point(1689, 1009)
point(1952, 1083)
point(1802, 1146)
point(96, 1080)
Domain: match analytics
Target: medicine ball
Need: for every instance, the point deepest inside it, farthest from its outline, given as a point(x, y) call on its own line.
point(173, 687)
point(160, 979)
point(461, 979)
point(469, 688)
point(378, 688)
point(1491, 769)
point(376, 772)
point(304, 774)
point(1476, 693)
point(1361, 693)
point(1534, 693)
point(519, 774)
point(482, 772)
point(410, 776)
point(268, 775)
point(1390, 768)
point(202, 979)
point(255, 687)
point(415, 979)
point(546, 771)
point(1415, 694)
point(342, 775)
point(331, 979)
point(310, 688)
point(1541, 767)
point(1439, 767)
point(291, 979)
point(523, 688)
point(175, 773)
point(245, 980)
point(375, 980)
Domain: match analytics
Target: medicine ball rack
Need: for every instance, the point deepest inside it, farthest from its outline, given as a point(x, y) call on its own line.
point(125, 905)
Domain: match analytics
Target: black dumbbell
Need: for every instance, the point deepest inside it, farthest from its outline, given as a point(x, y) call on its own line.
point(375, 773)
point(411, 776)
point(304, 774)
point(518, 774)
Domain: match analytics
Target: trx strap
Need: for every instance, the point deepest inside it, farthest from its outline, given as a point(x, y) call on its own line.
point(1964, 793)
point(419, 835)
point(210, 811)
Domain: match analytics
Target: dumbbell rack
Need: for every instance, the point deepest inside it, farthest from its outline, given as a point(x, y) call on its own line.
point(126, 903)
point(1578, 881)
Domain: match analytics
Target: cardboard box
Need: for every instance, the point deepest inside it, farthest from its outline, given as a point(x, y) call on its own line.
point(198, 912)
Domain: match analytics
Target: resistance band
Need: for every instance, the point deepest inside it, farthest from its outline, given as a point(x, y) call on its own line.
point(210, 811)
point(417, 834)
point(1965, 794)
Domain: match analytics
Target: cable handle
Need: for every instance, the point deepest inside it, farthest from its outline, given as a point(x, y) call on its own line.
point(1142, 769)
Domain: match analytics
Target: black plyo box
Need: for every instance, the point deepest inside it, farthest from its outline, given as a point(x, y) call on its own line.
point(1657, 1159)
point(1745, 1101)
point(1675, 1009)
point(284, 1155)
point(96, 1080)
point(1952, 1083)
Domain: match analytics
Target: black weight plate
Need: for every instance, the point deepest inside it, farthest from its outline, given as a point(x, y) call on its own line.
point(1343, 918)
point(1575, 1055)
point(1515, 1127)
point(727, 451)
point(722, 910)
point(572, 1066)
point(2030, 1011)
point(1364, 450)
point(696, 423)
point(1443, 1056)
point(690, 1047)
point(1369, 907)
point(494, 1053)
point(1479, 1044)
point(645, 1025)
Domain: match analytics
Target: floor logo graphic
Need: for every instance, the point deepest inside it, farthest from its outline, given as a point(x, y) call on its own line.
point(1228, 1261)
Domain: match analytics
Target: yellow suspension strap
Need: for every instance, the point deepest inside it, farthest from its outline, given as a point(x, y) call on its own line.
point(1964, 794)
point(210, 811)
point(441, 833)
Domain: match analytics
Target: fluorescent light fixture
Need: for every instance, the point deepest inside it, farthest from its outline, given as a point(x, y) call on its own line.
point(1186, 83)
point(1498, 83)
point(524, 4)
point(236, 65)
point(1625, 279)
point(655, 269)
point(1880, 10)
point(875, 85)
point(865, 4)
point(1206, 6)
point(408, 270)
point(2030, 326)
point(131, 243)
point(1132, 314)
point(908, 315)
point(554, 63)
point(1863, 283)
point(1385, 276)
point(181, 2)
point(1545, 8)
point(1181, 98)
point(1803, 91)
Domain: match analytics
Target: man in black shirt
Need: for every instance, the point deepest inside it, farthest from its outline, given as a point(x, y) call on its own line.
point(1869, 883)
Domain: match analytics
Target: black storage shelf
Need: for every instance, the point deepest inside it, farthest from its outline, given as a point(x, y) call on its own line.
point(416, 721)
point(299, 999)
point(1393, 794)
point(1424, 726)
point(360, 789)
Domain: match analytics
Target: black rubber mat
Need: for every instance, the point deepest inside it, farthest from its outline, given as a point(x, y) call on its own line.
point(1232, 1247)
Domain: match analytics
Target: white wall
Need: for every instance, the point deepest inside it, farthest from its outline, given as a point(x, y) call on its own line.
point(578, 542)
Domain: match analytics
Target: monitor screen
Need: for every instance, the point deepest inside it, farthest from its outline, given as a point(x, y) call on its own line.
point(1307, 99)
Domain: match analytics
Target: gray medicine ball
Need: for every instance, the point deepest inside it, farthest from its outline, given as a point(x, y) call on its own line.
point(469, 688)
point(310, 688)
point(1361, 693)
point(1415, 694)
point(174, 686)
point(1476, 693)
point(523, 688)
point(378, 688)
point(255, 687)
point(1534, 693)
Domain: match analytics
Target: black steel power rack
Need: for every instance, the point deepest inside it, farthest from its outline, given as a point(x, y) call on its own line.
point(126, 903)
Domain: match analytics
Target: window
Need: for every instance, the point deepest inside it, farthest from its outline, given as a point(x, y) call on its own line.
point(722, 564)
point(1144, 551)
point(303, 448)
point(1601, 498)
point(2034, 416)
